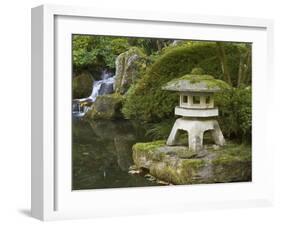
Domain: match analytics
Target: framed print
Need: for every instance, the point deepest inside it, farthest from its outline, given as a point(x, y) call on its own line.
point(138, 113)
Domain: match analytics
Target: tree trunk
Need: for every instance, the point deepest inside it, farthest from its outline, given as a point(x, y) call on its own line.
point(159, 45)
point(246, 66)
point(240, 70)
point(224, 65)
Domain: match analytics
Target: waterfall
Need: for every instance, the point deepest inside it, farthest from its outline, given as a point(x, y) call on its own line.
point(100, 87)
point(95, 90)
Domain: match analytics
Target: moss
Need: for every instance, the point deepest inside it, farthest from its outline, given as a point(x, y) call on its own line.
point(177, 165)
point(106, 107)
point(206, 79)
point(233, 152)
point(233, 163)
point(167, 173)
point(144, 153)
point(194, 164)
point(130, 66)
point(183, 153)
point(183, 173)
point(161, 164)
point(197, 71)
point(82, 85)
point(158, 156)
point(144, 147)
point(190, 168)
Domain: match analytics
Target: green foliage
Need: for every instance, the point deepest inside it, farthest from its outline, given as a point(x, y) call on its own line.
point(96, 51)
point(235, 117)
point(236, 113)
point(150, 45)
point(146, 101)
point(161, 130)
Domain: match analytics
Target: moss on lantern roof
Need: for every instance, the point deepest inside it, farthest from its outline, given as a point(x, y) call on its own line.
point(196, 83)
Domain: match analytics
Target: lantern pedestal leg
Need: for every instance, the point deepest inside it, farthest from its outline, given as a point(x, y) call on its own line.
point(217, 134)
point(195, 140)
point(195, 129)
point(172, 140)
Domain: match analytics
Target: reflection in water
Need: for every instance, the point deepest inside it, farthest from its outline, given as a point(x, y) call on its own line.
point(102, 154)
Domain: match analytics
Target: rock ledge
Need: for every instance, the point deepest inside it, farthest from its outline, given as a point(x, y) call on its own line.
point(178, 165)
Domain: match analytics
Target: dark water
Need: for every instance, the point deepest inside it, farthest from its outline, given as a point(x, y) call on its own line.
point(102, 154)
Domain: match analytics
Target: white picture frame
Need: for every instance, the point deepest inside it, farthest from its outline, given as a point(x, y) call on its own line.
point(52, 198)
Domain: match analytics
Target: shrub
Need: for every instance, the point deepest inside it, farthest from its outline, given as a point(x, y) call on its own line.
point(235, 113)
point(160, 130)
point(146, 100)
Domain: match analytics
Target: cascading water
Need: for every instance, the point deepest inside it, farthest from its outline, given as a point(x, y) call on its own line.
point(100, 87)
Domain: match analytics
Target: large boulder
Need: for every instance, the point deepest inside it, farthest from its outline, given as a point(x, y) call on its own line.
point(106, 107)
point(82, 85)
point(129, 67)
point(179, 165)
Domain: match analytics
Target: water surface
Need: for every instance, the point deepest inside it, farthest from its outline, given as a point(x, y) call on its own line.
point(102, 154)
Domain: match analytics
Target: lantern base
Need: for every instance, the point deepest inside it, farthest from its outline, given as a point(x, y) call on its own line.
point(195, 129)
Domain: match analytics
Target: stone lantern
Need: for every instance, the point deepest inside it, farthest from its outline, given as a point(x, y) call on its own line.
point(196, 108)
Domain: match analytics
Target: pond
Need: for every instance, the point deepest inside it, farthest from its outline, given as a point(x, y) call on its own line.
point(102, 154)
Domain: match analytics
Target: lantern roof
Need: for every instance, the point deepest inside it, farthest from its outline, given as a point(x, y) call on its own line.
point(196, 83)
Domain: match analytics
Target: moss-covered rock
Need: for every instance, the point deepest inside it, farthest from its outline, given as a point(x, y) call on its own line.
point(129, 67)
point(106, 107)
point(178, 165)
point(148, 102)
point(82, 85)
